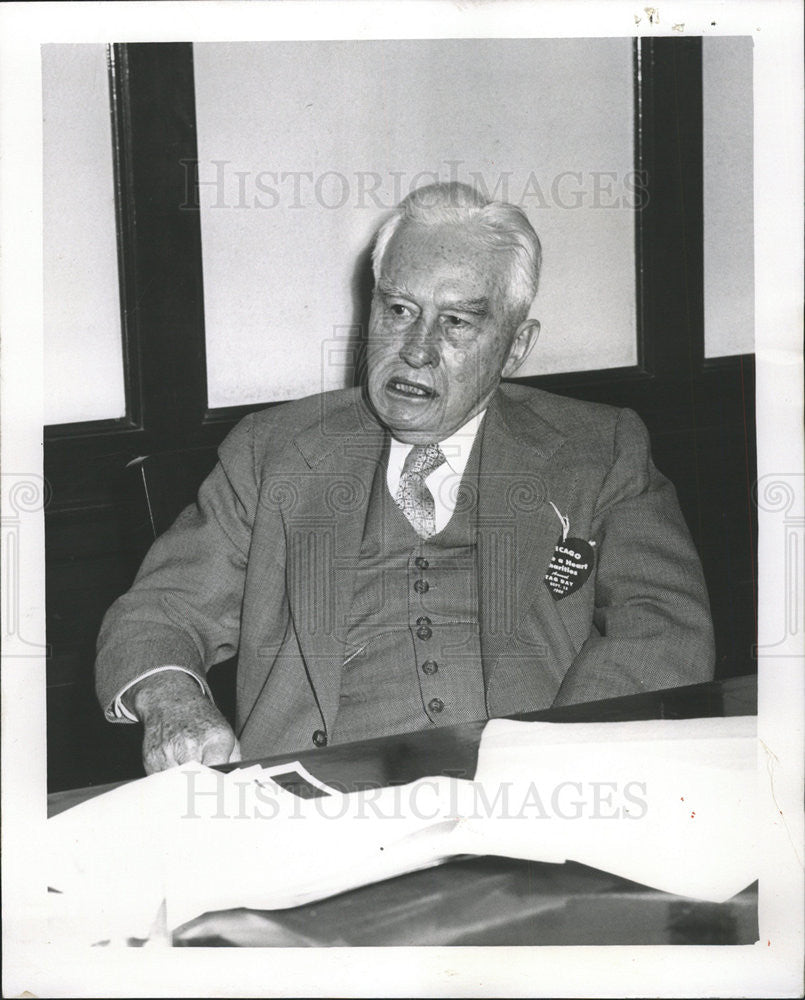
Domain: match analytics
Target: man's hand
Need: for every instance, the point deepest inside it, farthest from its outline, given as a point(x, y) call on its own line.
point(181, 724)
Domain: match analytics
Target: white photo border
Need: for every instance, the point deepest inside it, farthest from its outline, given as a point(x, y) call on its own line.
point(771, 968)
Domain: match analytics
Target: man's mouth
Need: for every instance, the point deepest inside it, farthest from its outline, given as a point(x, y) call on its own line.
point(411, 390)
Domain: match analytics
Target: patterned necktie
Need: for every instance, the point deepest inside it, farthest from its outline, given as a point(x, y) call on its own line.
point(413, 497)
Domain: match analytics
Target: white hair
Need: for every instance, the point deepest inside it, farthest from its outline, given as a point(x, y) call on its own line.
point(498, 226)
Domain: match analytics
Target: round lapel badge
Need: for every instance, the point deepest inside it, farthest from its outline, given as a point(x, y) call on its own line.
point(571, 564)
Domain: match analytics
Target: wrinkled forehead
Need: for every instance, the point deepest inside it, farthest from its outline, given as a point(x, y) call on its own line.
point(425, 258)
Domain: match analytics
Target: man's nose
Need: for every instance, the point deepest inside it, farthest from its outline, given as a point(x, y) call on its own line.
point(421, 346)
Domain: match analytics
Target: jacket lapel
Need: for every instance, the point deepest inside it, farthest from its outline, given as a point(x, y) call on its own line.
point(324, 527)
point(517, 526)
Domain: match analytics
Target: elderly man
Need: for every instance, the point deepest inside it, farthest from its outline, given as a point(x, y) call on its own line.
point(436, 548)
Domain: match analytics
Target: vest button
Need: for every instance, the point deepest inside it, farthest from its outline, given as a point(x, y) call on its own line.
point(421, 563)
point(436, 704)
point(430, 667)
point(421, 586)
point(423, 632)
point(423, 621)
point(320, 738)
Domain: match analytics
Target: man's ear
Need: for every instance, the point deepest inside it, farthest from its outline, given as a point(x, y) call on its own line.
point(524, 339)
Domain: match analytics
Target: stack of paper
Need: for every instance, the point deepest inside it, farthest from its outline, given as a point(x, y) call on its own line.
point(670, 804)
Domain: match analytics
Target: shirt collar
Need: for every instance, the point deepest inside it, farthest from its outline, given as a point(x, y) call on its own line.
point(456, 448)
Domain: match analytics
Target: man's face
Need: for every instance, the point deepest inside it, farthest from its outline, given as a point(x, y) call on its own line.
point(439, 335)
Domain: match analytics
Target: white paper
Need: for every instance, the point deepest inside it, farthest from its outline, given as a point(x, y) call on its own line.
point(668, 804)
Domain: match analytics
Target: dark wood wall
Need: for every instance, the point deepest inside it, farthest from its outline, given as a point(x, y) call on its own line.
point(700, 412)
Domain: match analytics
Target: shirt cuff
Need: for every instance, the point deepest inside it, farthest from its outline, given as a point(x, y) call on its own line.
point(117, 710)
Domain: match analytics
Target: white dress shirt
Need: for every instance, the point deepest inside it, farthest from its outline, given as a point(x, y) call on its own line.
point(444, 481)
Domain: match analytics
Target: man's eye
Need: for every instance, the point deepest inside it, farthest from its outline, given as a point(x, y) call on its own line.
point(398, 309)
point(455, 322)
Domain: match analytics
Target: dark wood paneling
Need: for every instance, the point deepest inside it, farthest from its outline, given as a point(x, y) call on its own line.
point(671, 244)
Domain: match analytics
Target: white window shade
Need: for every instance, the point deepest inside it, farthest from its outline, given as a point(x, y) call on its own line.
point(83, 354)
point(729, 293)
point(304, 145)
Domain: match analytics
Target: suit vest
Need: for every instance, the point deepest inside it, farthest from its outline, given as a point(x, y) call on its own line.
point(413, 655)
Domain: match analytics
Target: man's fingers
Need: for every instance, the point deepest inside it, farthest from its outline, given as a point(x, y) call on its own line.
point(235, 755)
point(156, 759)
point(177, 737)
point(209, 748)
point(170, 753)
point(217, 748)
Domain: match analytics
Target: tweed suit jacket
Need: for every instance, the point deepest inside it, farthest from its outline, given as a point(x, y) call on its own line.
point(264, 564)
